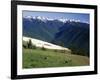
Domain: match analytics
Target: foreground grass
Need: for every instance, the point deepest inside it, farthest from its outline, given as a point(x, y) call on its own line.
point(37, 58)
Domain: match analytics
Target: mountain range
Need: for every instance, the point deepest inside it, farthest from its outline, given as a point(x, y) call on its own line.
point(63, 32)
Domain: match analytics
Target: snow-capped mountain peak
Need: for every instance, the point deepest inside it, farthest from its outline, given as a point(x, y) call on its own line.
point(44, 19)
point(63, 20)
point(40, 17)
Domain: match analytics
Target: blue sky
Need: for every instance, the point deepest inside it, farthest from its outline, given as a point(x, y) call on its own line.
point(83, 17)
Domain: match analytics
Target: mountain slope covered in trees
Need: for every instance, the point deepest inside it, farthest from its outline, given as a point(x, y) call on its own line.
point(71, 34)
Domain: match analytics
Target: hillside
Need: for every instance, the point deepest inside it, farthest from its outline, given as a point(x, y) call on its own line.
point(51, 56)
point(38, 58)
point(71, 34)
point(74, 35)
point(39, 29)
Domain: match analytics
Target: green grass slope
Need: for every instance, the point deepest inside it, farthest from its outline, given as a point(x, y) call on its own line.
point(38, 58)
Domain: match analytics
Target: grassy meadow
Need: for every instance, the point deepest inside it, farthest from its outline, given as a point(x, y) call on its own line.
point(41, 58)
